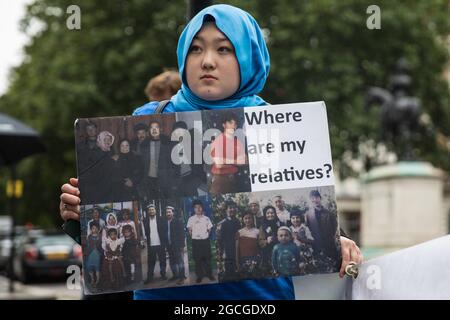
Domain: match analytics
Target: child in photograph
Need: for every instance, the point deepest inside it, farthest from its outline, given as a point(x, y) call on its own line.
point(248, 257)
point(111, 222)
point(268, 237)
point(113, 269)
point(129, 252)
point(93, 254)
point(126, 221)
point(96, 217)
point(300, 231)
point(303, 239)
point(227, 153)
point(286, 255)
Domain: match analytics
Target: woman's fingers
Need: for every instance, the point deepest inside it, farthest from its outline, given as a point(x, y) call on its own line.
point(69, 211)
point(70, 189)
point(69, 207)
point(70, 199)
point(350, 253)
point(345, 256)
point(74, 182)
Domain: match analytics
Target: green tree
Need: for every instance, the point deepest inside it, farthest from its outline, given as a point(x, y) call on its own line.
point(320, 50)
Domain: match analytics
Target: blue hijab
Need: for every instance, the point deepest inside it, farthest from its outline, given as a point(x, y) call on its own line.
point(251, 52)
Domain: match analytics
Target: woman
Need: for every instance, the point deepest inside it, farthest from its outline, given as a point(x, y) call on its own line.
point(248, 257)
point(224, 63)
point(95, 178)
point(128, 169)
point(268, 237)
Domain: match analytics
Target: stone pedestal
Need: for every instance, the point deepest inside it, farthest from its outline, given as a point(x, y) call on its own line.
point(402, 205)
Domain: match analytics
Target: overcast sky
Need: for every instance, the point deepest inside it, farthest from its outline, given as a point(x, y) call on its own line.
point(11, 39)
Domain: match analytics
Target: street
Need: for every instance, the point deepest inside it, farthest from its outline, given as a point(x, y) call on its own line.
point(45, 289)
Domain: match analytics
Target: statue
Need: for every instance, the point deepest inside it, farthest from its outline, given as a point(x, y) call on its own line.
point(399, 112)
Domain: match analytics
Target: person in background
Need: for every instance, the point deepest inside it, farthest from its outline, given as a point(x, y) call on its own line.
point(163, 86)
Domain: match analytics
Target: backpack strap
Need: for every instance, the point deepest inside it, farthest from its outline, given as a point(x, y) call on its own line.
point(161, 106)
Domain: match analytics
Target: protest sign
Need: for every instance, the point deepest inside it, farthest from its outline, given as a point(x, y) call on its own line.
point(203, 197)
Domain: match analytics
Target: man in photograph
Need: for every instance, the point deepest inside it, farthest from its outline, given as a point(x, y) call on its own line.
point(140, 130)
point(282, 213)
point(189, 175)
point(226, 239)
point(200, 227)
point(323, 226)
point(155, 230)
point(158, 166)
point(175, 245)
point(255, 210)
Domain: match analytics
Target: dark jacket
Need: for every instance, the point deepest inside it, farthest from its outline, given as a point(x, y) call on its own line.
point(127, 166)
point(187, 185)
point(177, 235)
point(162, 229)
point(323, 225)
point(165, 165)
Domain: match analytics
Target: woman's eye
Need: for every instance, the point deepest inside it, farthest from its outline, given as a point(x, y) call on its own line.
point(224, 50)
point(194, 48)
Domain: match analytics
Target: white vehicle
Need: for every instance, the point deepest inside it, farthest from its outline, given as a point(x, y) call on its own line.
point(5, 241)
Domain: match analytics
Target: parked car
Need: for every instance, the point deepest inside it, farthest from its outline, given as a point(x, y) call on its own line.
point(44, 253)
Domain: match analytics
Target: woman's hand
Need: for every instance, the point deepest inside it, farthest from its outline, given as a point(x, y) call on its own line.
point(69, 206)
point(350, 252)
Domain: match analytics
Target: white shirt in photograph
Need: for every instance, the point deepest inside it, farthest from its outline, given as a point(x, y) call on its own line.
point(283, 215)
point(249, 233)
point(199, 226)
point(154, 235)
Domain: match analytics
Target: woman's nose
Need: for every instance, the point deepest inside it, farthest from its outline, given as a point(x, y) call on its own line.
point(208, 60)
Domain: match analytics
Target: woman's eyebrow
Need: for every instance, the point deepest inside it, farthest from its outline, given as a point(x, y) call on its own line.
point(217, 39)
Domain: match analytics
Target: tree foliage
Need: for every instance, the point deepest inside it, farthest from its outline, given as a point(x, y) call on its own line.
point(320, 50)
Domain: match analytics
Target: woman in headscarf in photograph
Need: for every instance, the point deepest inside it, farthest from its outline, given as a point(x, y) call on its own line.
point(95, 180)
point(268, 237)
point(105, 140)
point(127, 172)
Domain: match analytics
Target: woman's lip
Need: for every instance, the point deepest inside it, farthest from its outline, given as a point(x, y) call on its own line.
point(208, 77)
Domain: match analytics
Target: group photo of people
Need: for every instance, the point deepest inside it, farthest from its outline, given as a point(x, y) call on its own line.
point(262, 235)
point(210, 239)
point(134, 246)
point(161, 156)
point(111, 247)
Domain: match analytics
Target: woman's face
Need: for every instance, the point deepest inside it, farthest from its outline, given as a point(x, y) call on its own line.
point(212, 70)
point(112, 220)
point(124, 147)
point(248, 221)
point(270, 214)
point(107, 140)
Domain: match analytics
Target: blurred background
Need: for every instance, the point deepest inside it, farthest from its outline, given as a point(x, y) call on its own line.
point(384, 75)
